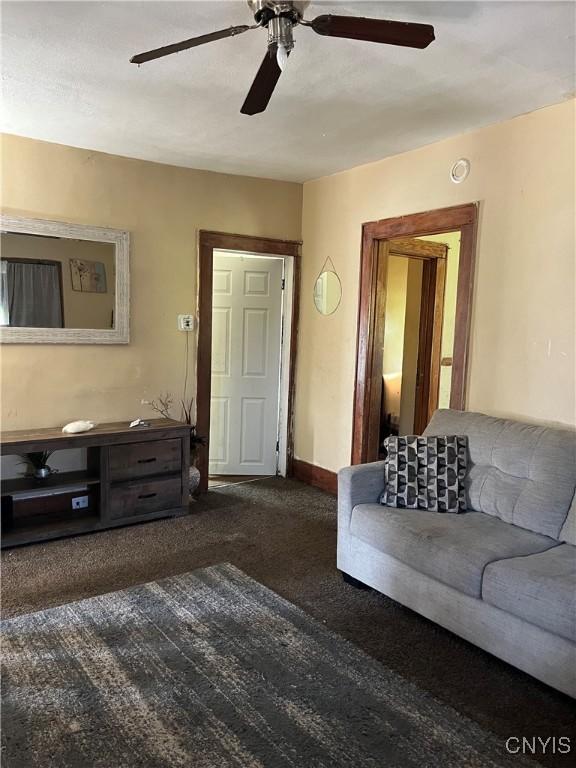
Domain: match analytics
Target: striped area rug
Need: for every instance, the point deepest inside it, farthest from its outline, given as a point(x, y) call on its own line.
point(208, 670)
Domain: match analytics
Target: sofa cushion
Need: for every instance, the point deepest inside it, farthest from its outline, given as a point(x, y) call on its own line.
point(425, 472)
point(523, 474)
point(568, 530)
point(538, 588)
point(453, 549)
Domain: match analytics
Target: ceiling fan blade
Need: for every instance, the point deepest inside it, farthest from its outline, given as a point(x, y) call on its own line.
point(264, 83)
point(192, 42)
point(374, 30)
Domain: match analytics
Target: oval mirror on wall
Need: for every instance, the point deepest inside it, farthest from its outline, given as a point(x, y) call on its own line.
point(327, 292)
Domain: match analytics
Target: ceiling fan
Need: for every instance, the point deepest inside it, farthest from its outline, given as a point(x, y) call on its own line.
point(280, 17)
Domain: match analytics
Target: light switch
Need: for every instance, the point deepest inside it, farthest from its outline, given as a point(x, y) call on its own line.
point(185, 322)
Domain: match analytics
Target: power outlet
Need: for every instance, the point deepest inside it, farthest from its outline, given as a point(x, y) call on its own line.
point(80, 502)
point(185, 322)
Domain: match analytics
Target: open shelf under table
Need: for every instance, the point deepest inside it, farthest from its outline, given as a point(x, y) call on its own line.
point(59, 482)
point(53, 527)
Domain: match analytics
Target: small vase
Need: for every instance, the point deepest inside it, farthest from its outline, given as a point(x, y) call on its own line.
point(194, 479)
point(41, 473)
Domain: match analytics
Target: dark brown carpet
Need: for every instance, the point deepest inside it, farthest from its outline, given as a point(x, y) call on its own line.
point(210, 669)
point(283, 534)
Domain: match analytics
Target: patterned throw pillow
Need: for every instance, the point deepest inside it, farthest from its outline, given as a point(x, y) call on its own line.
point(426, 473)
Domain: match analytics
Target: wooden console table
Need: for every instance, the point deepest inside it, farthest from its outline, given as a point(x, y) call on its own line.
point(131, 475)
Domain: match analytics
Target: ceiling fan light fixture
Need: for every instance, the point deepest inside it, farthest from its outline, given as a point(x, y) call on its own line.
point(282, 56)
point(280, 39)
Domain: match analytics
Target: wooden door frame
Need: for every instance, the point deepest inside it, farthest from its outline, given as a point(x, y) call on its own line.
point(462, 218)
point(209, 241)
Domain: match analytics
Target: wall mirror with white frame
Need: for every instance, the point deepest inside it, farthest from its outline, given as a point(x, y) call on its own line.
point(63, 283)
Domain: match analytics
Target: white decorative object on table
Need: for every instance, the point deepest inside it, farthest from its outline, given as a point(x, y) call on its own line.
point(78, 426)
point(139, 423)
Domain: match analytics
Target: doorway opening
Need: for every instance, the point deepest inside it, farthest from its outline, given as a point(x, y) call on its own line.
point(248, 295)
point(247, 348)
point(414, 317)
point(419, 285)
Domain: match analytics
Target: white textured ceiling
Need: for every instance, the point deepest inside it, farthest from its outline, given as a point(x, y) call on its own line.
point(340, 103)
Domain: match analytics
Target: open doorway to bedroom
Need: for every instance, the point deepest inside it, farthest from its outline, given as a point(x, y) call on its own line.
point(420, 282)
point(414, 318)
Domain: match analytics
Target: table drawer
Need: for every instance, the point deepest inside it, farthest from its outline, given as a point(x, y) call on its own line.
point(157, 457)
point(141, 498)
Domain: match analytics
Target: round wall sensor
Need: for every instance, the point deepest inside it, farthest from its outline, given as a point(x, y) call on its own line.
point(460, 170)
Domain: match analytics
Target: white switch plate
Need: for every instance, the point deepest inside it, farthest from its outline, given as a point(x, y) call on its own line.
point(185, 322)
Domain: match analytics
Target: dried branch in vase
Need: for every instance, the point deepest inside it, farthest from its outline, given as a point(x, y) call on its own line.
point(163, 405)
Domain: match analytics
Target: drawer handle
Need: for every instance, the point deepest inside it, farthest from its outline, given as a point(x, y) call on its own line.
point(146, 461)
point(147, 495)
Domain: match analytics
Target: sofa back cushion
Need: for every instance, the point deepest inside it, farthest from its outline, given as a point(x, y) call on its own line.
point(523, 474)
point(568, 530)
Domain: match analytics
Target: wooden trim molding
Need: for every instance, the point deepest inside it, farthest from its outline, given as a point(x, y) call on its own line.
point(249, 243)
point(319, 477)
point(207, 242)
point(376, 235)
point(421, 224)
point(417, 249)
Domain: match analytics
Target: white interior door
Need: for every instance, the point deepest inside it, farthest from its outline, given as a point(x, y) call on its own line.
point(246, 348)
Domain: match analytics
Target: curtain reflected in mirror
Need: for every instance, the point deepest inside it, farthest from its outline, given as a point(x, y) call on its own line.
point(53, 282)
point(32, 294)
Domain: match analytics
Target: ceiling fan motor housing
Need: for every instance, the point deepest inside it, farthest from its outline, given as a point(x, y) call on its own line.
point(280, 32)
point(278, 16)
point(265, 10)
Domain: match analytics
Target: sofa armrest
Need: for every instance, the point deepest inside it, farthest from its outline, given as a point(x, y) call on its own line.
point(360, 484)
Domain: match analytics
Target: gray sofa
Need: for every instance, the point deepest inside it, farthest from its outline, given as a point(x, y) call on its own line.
point(502, 574)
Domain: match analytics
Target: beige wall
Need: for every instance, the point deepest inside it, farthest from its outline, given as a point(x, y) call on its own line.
point(522, 346)
point(163, 208)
